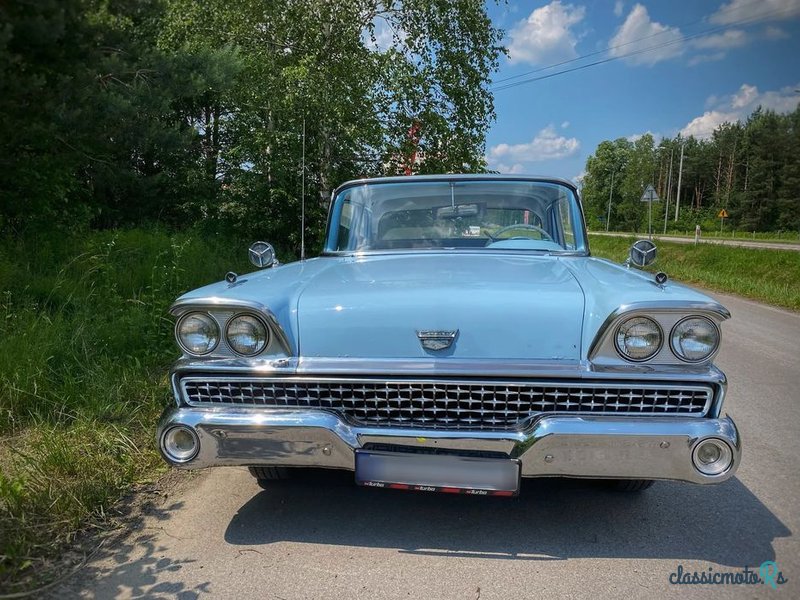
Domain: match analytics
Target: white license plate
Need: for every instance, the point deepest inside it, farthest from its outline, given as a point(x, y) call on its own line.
point(438, 473)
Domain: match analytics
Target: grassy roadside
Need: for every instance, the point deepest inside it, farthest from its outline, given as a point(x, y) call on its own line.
point(786, 237)
point(771, 276)
point(85, 342)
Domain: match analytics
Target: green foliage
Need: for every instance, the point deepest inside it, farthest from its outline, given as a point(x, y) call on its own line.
point(771, 276)
point(85, 345)
point(173, 111)
point(751, 169)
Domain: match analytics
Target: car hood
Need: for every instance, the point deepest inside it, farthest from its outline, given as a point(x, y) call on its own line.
point(513, 307)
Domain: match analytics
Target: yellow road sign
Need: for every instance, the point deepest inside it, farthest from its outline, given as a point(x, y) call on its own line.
point(723, 214)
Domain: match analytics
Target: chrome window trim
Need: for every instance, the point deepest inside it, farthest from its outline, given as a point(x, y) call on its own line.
point(457, 177)
point(694, 387)
point(257, 318)
point(710, 355)
point(178, 337)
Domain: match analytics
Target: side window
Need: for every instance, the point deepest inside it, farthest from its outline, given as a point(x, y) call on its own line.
point(565, 218)
point(343, 237)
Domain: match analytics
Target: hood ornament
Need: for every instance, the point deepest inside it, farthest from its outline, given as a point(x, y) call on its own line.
point(437, 340)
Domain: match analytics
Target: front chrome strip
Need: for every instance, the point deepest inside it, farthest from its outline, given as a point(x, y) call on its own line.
point(450, 367)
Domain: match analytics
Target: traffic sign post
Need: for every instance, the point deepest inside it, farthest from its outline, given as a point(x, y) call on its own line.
point(649, 195)
point(723, 214)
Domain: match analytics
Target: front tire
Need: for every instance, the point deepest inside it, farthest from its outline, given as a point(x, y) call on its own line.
point(265, 475)
point(630, 485)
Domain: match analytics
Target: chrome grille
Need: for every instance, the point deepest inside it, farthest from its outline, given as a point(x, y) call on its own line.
point(445, 404)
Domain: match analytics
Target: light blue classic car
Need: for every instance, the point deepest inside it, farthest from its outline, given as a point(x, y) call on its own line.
point(455, 335)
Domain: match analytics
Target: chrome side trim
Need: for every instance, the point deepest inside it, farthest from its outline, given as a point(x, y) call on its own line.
point(712, 309)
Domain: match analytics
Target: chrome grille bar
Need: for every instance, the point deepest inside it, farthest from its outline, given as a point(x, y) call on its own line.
point(447, 404)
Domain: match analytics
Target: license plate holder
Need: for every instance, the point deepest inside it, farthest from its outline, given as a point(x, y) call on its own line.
point(438, 473)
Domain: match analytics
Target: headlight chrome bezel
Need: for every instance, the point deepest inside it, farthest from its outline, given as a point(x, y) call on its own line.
point(260, 321)
point(708, 356)
point(183, 319)
point(650, 356)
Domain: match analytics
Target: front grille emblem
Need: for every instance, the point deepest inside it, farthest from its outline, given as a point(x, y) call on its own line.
point(437, 340)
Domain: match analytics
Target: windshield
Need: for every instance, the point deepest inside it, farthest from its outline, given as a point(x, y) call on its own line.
point(473, 214)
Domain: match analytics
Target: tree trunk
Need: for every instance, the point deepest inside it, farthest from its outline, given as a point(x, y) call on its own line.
point(731, 163)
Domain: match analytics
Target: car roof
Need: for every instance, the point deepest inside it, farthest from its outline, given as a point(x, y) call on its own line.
point(455, 177)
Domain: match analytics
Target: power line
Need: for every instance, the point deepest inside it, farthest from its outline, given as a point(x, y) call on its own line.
point(682, 39)
point(609, 48)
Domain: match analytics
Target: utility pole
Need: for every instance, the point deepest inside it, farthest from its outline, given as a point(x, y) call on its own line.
point(680, 174)
point(611, 193)
point(669, 189)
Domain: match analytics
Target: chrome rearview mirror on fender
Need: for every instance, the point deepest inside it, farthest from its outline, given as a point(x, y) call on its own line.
point(262, 255)
point(642, 253)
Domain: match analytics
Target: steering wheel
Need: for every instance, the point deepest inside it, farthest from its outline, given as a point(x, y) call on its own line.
point(496, 235)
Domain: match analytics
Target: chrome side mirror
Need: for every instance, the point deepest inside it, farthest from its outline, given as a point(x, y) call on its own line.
point(262, 255)
point(642, 253)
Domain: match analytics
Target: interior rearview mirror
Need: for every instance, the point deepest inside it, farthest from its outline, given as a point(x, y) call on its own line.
point(457, 211)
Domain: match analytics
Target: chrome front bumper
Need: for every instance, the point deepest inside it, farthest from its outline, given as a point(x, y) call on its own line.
point(552, 446)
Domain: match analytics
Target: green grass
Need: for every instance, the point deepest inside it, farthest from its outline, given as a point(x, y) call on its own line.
point(771, 276)
point(85, 344)
point(784, 237)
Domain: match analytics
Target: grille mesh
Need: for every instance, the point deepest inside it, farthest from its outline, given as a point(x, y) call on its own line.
point(447, 404)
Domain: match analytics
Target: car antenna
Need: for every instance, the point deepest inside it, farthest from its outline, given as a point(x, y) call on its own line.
point(303, 195)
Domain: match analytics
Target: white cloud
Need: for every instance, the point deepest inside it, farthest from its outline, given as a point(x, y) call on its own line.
point(515, 169)
point(746, 95)
point(732, 38)
point(546, 145)
point(565, 124)
point(701, 58)
point(546, 35)
point(637, 136)
point(639, 32)
point(619, 6)
point(738, 106)
point(704, 125)
point(775, 33)
point(766, 10)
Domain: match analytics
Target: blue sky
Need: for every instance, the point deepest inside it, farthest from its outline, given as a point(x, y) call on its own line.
point(679, 66)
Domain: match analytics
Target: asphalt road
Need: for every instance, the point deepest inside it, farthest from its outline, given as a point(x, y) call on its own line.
point(223, 537)
point(712, 240)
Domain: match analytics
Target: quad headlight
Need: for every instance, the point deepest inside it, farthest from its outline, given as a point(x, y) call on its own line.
point(638, 338)
point(197, 333)
point(247, 335)
point(694, 339)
